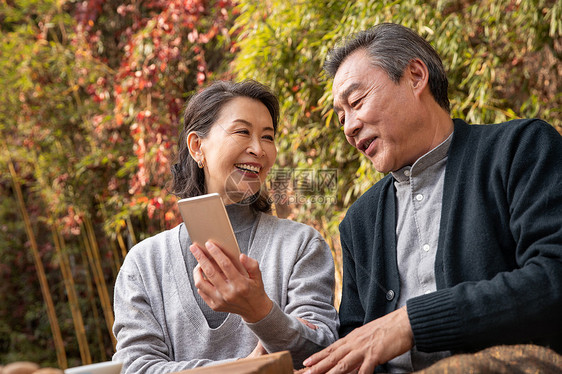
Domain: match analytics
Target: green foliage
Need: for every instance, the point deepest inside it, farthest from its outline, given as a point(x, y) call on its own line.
point(45, 114)
point(502, 57)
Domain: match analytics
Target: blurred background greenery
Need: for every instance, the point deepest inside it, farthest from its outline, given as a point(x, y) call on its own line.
point(91, 94)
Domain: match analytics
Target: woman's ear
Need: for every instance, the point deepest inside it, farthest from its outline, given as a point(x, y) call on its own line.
point(418, 74)
point(194, 146)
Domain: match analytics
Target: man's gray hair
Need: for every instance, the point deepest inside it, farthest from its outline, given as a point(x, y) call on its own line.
point(392, 47)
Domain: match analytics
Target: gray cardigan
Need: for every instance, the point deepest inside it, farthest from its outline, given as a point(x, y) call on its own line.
point(160, 329)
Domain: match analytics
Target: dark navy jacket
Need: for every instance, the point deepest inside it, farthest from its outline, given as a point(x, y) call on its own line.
point(498, 266)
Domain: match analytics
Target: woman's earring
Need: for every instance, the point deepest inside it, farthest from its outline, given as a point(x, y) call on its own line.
point(201, 163)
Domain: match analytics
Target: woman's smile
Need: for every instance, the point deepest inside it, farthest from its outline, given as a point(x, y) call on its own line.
point(251, 170)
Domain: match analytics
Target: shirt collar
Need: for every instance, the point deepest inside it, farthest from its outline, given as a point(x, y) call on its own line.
point(430, 158)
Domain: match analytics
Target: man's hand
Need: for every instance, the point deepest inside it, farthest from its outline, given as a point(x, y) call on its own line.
point(365, 347)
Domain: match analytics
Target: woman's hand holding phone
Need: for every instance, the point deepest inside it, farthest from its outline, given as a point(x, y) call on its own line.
point(225, 288)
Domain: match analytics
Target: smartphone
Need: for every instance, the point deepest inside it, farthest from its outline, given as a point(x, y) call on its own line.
point(206, 219)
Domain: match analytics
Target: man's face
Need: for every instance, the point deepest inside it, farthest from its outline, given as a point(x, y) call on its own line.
point(379, 117)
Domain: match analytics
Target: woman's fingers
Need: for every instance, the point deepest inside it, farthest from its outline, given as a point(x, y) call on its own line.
point(258, 351)
point(251, 266)
point(201, 281)
point(222, 260)
point(307, 324)
point(208, 292)
point(208, 265)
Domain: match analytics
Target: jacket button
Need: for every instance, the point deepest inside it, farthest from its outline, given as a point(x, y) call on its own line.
point(390, 295)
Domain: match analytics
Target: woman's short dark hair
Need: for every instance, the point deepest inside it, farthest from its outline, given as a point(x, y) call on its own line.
point(200, 115)
point(392, 47)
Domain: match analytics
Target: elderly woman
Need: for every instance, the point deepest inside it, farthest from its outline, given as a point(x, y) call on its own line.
point(175, 307)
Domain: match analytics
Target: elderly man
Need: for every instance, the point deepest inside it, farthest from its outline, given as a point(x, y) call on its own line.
point(459, 247)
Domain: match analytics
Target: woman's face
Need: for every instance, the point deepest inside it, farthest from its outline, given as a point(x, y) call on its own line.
point(239, 150)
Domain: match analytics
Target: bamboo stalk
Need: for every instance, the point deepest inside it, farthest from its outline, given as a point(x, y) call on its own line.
point(70, 287)
point(93, 272)
point(131, 230)
point(116, 260)
point(107, 305)
point(94, 308)
point(51, 313)
point(99, 278)
point(122, 244)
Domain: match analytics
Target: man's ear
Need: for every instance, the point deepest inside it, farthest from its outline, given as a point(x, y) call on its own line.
point(194, 145)
point(418, 75)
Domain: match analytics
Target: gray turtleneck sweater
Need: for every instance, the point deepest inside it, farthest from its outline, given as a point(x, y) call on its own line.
point(162, 325)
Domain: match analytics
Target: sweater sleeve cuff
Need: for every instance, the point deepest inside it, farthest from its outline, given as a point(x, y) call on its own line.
point(435, 321)
point(276, 329)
